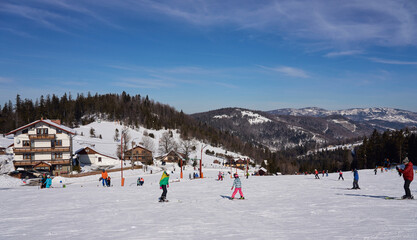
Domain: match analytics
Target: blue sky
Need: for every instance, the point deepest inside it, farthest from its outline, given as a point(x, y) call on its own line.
point(204, 55)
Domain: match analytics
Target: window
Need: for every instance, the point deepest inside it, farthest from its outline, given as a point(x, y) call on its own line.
point(26, 143)
point(56, 156)
point(56, 143)
point(27, 156)
point(25, 131)
point(42, 131)
point(99, 159)
point(58, 131)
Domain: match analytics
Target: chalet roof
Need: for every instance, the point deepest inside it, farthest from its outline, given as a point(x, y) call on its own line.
point(47, 121)
point(82, 150)
point(173, 152)
point(138, 146)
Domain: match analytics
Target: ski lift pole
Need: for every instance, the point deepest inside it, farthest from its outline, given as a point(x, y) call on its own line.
point(122, 183)
point(201, 160)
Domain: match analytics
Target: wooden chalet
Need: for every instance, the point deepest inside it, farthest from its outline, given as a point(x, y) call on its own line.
point(139, 153)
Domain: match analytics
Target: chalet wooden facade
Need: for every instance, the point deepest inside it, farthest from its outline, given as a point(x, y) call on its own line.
point(172, 157)
point(139, 153)
point(91, 156)
point(43, 141)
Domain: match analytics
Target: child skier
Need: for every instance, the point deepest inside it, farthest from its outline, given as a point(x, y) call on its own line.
point(316, 174)
point(238, 187)
point(108, 181)
point(341, 175)
point(164, 184)
point(408, 175)
point(140, 181)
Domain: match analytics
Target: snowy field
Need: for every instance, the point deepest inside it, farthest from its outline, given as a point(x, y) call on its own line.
point(276, 207)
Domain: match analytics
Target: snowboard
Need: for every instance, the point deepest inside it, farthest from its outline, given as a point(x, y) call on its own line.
point(230, 198)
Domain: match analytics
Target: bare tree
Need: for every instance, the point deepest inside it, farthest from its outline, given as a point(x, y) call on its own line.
point(187, 147)
point(148, 143)
point(166, 143)
point(126, 139)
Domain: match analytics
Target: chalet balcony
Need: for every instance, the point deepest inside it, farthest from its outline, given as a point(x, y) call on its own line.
point(33, 162)
point(40, 150)
point(41, 136)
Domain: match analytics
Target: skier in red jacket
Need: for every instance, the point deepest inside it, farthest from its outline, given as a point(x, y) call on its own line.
point(408, 175)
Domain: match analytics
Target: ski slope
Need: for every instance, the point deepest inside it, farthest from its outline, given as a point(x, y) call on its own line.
point(276, 207)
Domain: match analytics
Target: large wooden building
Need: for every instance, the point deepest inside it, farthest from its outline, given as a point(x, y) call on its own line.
point(43, 143)
point(140, 154)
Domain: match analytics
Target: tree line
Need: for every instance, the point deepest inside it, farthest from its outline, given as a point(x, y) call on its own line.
point(132, 110)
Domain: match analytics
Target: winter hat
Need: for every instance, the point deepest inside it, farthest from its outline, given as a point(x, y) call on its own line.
point(406, 160)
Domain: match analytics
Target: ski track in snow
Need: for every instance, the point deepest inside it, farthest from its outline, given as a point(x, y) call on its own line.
point(276, 207)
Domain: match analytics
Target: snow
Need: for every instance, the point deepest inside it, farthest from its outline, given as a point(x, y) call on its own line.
point(276, 207)
point(222, 116)
point(255, 118)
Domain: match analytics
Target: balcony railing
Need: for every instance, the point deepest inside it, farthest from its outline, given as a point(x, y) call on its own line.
point(42, 136)
point(34, 162)
point(41, 149)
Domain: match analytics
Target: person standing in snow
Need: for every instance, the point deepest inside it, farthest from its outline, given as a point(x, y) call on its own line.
point(104, 176)
point(408, 175)
point(316, 174)
point(43, 180)
point(355, 179)
point(376, 170)
point(48, 182)
point(164, 184)
point(341, 175)
point(238, 187)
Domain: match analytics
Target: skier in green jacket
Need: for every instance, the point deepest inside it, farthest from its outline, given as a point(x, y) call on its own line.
point(164, 184)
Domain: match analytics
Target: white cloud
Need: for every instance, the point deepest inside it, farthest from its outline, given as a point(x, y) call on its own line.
point(395, 62)
point(289, 71)
point(343, 53)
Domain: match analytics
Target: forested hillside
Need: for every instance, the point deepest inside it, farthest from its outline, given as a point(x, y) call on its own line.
point(131, 110)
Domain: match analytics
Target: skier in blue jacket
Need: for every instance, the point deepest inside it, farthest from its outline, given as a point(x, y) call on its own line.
point(355, 179)
point(48, 182)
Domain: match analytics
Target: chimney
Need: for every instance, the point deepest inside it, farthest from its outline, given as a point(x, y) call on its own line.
point(57, 121)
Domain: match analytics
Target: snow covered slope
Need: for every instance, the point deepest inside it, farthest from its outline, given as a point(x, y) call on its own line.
point(276, 207)
point(383, 118)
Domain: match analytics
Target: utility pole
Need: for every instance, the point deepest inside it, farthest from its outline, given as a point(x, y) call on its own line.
point(201, 160)
point(121, 163)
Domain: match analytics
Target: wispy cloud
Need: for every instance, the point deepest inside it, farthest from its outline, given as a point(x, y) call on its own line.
point(288, 71)
point(6, 80)
point(144, 83)
point(395, 62)
point(343, 53)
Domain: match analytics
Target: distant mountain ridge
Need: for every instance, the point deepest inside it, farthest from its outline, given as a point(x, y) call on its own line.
point(283, 131)
point(379, 118)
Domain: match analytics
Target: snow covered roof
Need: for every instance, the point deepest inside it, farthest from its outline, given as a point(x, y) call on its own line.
point(47, 121)
point(79, 151)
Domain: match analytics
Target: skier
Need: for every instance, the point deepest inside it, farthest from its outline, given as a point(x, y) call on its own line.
point(140, 181)
point(164, 184)
point(341, 175)
point(48, 182)
point(327, 173)
point(376, 170)
point(108, 181)
point(238, 187)
point(408, 175)
point(43, 180)
point(316, 174)
point(104, 176)
point(355, 179)
point(322, 173)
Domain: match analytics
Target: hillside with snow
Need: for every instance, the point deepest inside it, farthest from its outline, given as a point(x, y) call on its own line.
point(283, 131)
point(380, 118)
point(276, 207)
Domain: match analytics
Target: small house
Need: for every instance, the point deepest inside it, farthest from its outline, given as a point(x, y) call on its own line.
point(139, 153)
point(92, 156)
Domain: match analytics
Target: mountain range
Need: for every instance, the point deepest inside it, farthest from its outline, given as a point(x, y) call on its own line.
point(286, 128)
